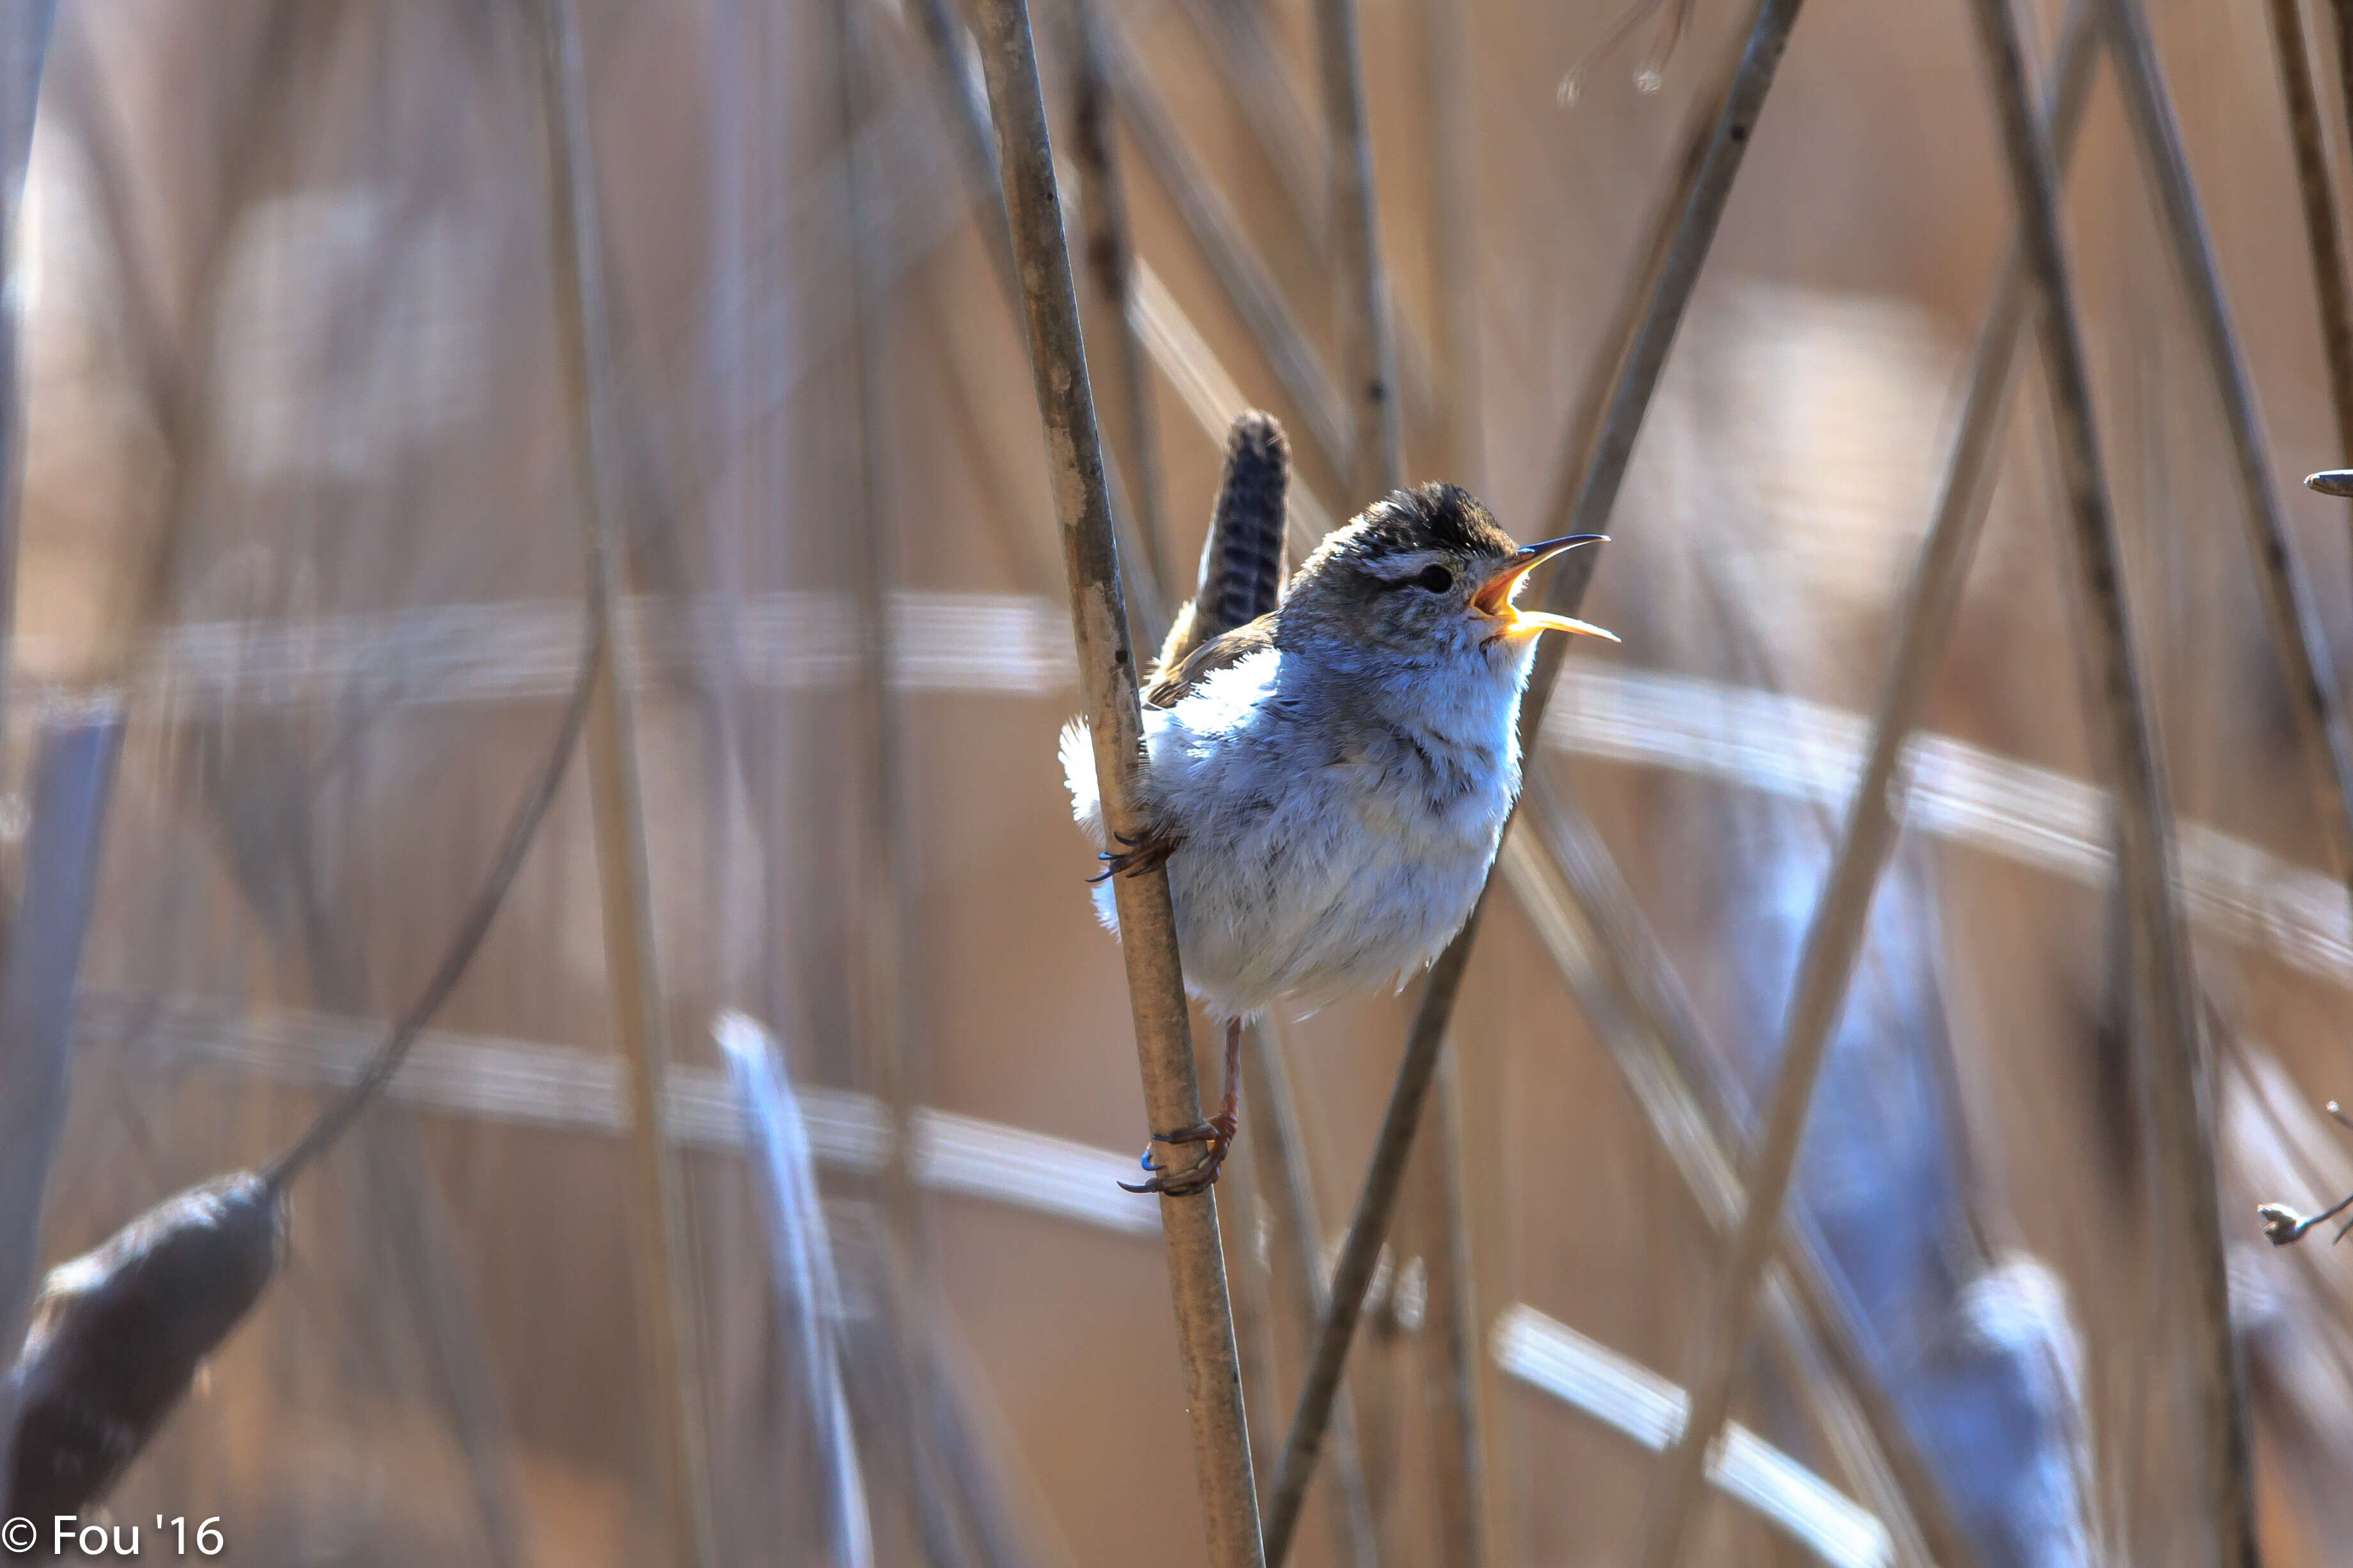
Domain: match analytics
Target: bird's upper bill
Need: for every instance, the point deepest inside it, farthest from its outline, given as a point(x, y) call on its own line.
point(1493, 598)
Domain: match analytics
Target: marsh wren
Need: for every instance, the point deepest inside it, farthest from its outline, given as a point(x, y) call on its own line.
point(1327, 774)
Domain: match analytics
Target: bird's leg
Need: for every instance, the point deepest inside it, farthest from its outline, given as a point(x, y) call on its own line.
point(1137, 856)
point(1217, 1133)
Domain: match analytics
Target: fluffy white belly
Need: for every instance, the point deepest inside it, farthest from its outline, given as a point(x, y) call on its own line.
point(1317, 861)
point(1359, 910)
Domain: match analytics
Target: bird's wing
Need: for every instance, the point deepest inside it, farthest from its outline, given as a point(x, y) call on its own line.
point(1242, 560)
point(1169, 687)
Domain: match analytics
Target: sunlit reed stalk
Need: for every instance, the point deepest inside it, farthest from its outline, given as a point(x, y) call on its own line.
point(2182, 1147)
point(583, 324)
point(1107, 671)
point(1635, 353)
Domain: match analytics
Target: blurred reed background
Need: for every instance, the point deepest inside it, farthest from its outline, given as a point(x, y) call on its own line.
point(301, 492)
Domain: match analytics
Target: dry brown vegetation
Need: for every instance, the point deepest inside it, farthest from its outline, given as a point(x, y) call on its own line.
point(302, 483)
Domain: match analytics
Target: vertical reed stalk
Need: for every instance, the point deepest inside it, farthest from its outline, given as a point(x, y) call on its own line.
point(968, 107)
point(1450, 1327)
point(1280, 1146)
point(1643, 332)
point(1110, 273)
point(889, 983)
point(1367, 342)
point(1107, 669)
point(2182, 1138)
point(2321, 232)
point(583, 334)
point(968, 123)
point(2286, 594)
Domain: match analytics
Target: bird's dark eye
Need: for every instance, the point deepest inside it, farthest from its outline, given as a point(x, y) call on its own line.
point(1436, 579)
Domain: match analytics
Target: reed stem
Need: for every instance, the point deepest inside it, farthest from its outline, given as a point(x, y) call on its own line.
point(2280, 577)
point(1110, 273)
point(2182, 1136)
point(1107, 669)
point(2322, 233)
point(583, 334)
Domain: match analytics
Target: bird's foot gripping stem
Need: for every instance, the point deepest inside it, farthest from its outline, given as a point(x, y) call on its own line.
point(1135, 856)
point(1216, 1136)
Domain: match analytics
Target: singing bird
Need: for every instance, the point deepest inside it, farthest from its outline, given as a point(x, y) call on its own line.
point(1328, 764)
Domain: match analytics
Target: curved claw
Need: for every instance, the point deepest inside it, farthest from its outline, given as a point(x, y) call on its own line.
point(1216, 1135)
point(1142, 855)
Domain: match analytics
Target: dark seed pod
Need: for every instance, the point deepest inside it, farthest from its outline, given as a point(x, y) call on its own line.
point(117, 1335)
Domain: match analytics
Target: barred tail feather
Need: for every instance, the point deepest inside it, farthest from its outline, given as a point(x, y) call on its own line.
point(1242, 561)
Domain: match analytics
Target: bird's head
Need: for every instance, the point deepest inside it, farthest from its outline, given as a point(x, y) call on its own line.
point(1424, 577)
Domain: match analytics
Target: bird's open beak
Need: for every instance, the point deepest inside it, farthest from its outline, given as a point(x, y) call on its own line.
point(1495, 596)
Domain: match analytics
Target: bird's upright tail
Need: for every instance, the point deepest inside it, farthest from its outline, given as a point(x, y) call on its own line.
point(1243, 561)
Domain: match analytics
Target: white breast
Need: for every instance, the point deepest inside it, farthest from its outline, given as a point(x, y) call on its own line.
point(1329, 843)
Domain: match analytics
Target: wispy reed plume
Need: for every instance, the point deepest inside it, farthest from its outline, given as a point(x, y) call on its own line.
point(800, 1256)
